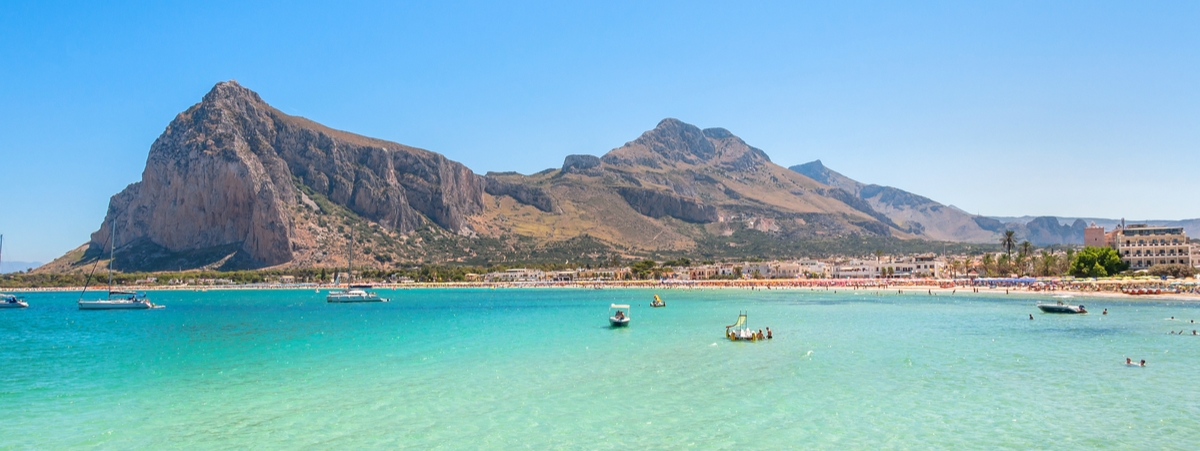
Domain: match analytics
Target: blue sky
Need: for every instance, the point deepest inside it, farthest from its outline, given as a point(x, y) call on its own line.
point(1000, 108)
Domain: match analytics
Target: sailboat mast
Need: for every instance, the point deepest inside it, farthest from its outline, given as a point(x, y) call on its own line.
point(350, 261)
point(112, 252)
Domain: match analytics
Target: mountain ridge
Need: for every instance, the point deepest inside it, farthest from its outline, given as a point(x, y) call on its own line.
point(235, 183)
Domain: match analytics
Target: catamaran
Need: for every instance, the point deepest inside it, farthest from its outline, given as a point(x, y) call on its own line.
point(117, 299)
point(352, 293)
point(8, 300)
point(619, 318)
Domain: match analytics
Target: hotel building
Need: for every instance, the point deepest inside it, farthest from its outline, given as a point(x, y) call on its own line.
point(1143, 246)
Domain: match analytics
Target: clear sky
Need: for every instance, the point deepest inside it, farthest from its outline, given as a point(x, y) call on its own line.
point(1000, 108)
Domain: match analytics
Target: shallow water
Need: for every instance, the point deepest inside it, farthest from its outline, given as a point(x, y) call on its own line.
point(537, 369)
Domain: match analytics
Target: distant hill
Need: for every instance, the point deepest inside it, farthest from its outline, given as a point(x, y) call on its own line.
point(1190, 226)
point(14, 266)
point(918, 214)
point(933, 220)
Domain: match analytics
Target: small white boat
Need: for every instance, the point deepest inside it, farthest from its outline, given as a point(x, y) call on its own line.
point(1062, 308)
point(619, 318)
point(353, 295)
point(11, 301)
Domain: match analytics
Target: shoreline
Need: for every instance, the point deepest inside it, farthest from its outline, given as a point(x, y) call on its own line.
point(812, 285)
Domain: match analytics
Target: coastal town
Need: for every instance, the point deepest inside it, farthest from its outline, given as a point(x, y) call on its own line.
point(1143, 250)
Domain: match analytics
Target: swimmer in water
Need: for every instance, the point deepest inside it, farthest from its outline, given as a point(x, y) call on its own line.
point(1143, 363)
point(1128, 361)
point(1031, 317)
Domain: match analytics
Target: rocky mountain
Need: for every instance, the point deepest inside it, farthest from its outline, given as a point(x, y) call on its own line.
point(234, 183)
point(920, 215)
point(230, 180)
point(675, 187)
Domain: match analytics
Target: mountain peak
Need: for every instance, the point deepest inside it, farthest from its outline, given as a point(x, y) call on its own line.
point(678, 141)
point(230, 91)
point(817, 171)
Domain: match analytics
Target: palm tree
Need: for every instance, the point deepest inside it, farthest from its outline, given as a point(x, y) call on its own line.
point(1026, 248)
point(1009, 241)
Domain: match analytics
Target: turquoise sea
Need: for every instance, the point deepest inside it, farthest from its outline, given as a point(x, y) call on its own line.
point(540, 369)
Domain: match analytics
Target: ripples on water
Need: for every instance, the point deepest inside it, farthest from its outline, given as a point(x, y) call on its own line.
point(502, 369)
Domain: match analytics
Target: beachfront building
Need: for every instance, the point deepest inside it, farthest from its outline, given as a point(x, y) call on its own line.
point(515, 275)
point(772, 270)
point(813, 268)
point(1093, 236)
point(1143, 246)
point(856, 269)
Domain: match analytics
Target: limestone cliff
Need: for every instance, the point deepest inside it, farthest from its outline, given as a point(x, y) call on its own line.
point(226, 172)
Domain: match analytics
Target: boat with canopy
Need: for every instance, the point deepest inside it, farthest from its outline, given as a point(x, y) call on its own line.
point(11, 301)
point(619, 318)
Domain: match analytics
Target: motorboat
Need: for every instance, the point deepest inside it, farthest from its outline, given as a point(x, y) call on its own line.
point(658, 302)
point(353, 295)
point(8, 300)
point(1062, 308)
point(619, 318)
point(120, 300)
point(11, 301)
point(117, 299)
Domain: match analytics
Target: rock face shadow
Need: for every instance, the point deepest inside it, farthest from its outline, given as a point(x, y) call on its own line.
point(145, 255)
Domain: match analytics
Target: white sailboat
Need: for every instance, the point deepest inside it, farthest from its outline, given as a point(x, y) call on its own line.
point(116, 300)
point(8, 300)
point(351, 294)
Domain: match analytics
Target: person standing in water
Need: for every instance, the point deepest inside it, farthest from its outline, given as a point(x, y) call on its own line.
point(1031, 317)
